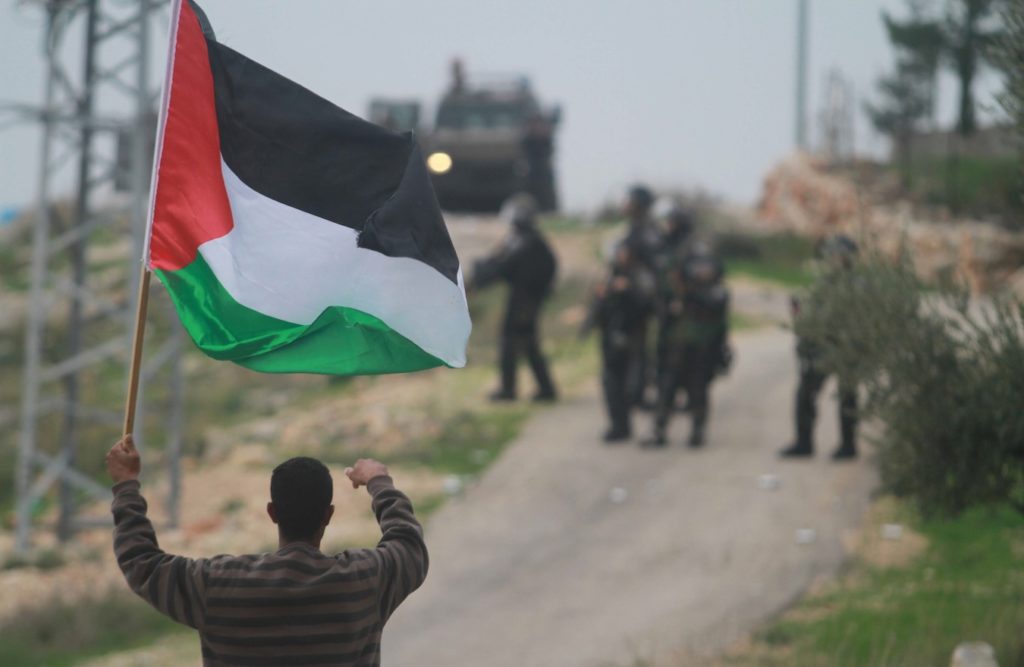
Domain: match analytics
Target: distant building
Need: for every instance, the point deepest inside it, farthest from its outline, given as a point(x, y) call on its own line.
point(998, 141)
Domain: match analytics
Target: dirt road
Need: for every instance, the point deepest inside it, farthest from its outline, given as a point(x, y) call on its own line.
point(571, 552)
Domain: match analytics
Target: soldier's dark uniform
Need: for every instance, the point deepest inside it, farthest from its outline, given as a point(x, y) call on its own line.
point(676, 240)
point(644, 241)
point(618, 310)
point(526, 262)
point(695, 330)
point(839, 251)
point(676, 243)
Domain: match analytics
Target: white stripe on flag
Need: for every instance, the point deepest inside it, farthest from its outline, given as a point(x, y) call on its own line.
point(292, 265)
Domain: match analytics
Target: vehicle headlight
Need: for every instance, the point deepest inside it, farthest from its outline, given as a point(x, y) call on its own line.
point(439, 162)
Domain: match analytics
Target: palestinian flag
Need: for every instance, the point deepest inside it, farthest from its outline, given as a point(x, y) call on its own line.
point(292, 235)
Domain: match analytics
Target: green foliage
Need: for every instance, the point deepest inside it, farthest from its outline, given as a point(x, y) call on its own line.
point(966, 586)
point(61, 634)
point(905, 99)
point(945, 376)
point(1009, 55)
point(781, 258)
point(49, 559)
point(979, 185)
point(971, 28)
point(962, 39)
point(470, 440)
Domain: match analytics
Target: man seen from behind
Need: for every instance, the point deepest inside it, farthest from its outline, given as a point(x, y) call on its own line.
point(296, 605)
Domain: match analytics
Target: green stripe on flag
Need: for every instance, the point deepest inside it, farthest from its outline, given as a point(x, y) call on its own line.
point(342, 341)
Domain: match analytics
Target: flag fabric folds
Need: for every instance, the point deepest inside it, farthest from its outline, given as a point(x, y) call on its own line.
point(292, 235)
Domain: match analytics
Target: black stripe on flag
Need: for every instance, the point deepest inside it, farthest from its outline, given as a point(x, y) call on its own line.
point(297, 148)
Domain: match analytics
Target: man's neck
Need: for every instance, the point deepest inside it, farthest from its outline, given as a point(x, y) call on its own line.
point(283, 542)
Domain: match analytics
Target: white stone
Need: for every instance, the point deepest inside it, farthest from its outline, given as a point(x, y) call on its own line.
point(892, 531)
point(618, 495)
point(452, 485)
point(806, 535)
point(974, 654)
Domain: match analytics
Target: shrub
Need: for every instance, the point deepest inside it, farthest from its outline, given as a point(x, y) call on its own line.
point(63, 632)
point(945, 376)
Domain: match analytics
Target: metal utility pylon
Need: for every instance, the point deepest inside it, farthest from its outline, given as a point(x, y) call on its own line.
point(802, 27)
point(98, 130)
point(837, 118)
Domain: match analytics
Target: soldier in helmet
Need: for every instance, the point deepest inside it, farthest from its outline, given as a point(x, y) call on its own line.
point(677, 242)
point(694, 340)
point(643, 239)
point(677, 237)
point(642, 236)
point(838, 254)
point(618, 309)
point(527, 264)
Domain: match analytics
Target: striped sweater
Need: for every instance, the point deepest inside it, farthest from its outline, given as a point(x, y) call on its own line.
point(295, 606)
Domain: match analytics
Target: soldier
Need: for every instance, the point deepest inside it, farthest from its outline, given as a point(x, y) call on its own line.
point(618, 309)
point(677, 238)
point(526, 262)
point(538, 149)
point(695, 330)
point(643, 238)
point(677, 241)
point(838, 252)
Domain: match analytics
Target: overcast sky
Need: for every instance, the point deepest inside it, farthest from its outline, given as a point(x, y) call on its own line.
point(673, 92)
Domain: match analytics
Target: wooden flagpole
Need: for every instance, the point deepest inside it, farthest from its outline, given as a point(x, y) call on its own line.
point(142, 304)
point(136, 359)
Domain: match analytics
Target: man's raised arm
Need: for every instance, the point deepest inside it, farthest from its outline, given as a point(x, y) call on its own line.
point(174, 585)
point(401, 550)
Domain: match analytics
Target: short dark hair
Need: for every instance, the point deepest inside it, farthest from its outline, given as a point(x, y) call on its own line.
point(301, 490)
point(640, 195)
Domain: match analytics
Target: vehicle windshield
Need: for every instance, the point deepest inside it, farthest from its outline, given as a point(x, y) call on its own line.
point(464, 115)
point(395, 116)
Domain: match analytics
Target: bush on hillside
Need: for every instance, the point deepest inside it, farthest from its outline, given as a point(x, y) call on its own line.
point(944, 375)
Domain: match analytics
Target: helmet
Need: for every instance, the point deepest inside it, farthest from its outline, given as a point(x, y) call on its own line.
point(838, 249)
point(679, 219)
point(520, 210)
point(641, 196)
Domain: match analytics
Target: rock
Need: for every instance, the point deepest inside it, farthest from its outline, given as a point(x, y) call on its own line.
point(1015, 283)
point(974, 654)
point(802, 195)
point(892, 531)
point(799, 195)
point(806, 535)
point(452, 485)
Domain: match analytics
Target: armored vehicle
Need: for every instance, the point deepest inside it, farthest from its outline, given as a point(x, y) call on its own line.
point(491, 138)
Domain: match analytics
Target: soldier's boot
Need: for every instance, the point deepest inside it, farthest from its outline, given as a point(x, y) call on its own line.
point(546, 392)
point(507, 369)
point(802, 448)
point(617, 434)
point(806, 414)
point(848, 434)
point(797, 450)
point(700, 418)
point(844, 454)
